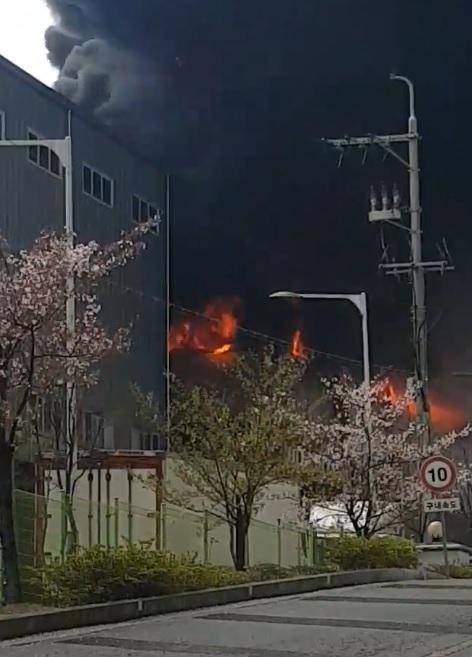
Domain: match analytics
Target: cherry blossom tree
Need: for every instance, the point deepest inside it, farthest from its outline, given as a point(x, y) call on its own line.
point(39, 354)
point(464, 485)
point(368, 442)
point(234, 440)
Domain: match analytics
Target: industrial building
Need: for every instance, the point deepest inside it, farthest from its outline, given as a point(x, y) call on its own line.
point(112, 187)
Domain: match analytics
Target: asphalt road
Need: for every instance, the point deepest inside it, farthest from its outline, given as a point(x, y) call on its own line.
point(414, 619)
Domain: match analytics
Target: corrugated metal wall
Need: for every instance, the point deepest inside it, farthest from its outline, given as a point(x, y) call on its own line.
point(32, 199)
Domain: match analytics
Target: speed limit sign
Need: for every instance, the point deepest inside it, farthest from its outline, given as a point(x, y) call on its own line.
point(438, 474)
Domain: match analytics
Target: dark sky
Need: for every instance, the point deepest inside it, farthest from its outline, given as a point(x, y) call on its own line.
point(234, 96)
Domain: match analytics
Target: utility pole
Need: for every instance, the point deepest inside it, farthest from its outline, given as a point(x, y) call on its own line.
point(390, 212)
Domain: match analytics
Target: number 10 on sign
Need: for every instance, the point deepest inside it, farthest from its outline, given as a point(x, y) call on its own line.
point(438, 474)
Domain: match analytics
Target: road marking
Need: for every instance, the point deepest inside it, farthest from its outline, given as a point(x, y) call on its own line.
point(452, 650)
point(54, 636)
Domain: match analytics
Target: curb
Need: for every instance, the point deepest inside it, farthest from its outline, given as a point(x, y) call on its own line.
point(18, 626)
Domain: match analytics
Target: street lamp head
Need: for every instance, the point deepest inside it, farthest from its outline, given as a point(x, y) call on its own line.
point(283, 295)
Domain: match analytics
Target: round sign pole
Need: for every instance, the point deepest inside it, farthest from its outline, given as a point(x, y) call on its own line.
point(438, 474)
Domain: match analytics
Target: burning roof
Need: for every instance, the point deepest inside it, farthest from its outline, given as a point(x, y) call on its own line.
point(213, 332)
point(442, 416)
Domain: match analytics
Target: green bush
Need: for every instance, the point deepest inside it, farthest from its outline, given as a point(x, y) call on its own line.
point(355, 553)
point(456, 571)
point(262, 572)
point(99, 574)
point(304, 571)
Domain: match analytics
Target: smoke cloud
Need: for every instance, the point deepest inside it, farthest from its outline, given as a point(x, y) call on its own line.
point(98, 71)
point(238, 91)
point(193, 69)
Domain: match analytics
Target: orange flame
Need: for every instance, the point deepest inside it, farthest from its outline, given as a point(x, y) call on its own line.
point(391, 395)
point(212, 333)
point(297, 348)
point(442, 417)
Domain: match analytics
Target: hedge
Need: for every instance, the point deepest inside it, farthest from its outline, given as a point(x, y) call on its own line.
point(455, 571)
point(100, 574)
point(263, 572)
point(355, 553)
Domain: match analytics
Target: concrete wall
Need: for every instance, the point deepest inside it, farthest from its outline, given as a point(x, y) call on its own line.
point(433, 554)
point(280, 501)
point(182, 531)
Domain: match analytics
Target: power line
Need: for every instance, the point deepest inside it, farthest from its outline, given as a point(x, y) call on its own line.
point(260, 335)
point(390, 211)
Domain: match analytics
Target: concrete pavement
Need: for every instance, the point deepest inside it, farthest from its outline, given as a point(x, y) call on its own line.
point(412, 619)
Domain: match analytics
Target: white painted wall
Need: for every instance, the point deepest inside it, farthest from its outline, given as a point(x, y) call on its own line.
point(183, 531)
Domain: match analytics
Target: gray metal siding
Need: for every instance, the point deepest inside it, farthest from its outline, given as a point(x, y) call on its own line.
point(32, 200)
point(137, 298)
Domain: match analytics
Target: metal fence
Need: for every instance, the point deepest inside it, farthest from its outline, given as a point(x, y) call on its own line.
point(42, 532)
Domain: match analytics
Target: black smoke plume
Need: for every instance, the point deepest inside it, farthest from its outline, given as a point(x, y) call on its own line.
point(234, 94)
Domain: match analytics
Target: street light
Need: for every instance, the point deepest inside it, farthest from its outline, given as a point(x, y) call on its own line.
point(358, 300)
point(63, 149)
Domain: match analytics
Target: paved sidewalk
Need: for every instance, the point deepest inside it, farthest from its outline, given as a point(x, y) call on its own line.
point(411, 619)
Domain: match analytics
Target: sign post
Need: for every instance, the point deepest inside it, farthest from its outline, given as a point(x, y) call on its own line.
point(438, 474)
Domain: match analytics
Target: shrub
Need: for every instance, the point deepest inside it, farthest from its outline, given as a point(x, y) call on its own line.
point(456, 571)
point(99, 574)
point(355, 553)
point(304, 571)
point(262, 572)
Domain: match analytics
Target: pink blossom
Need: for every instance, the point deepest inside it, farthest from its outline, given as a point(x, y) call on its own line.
point(375, 451)
point(37, 351)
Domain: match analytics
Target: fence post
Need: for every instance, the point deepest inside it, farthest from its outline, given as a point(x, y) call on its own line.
point(117, 522)
point(130, 506)
point(63, 525)
point(90, 507)
point(157, 530)
point(206, 530)
point(108, 508)
point(157, 515)
point(314, 548)
point(321, 549)
point(163, 527)
point(99, 504)
point(279, 543)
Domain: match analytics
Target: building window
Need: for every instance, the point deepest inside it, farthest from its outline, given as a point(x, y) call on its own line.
point(142, 211)
point(97, 185)
point(43, 157)
point(151, 442)
point(2, 125)
point(94, 431)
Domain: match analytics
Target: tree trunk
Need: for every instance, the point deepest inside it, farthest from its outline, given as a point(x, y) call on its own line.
point(72, 530)
point(70, 538)
point(238, 531)
point(242, 527)
point(11, 569)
